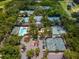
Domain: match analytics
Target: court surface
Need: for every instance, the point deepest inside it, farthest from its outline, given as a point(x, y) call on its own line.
point(55, 44)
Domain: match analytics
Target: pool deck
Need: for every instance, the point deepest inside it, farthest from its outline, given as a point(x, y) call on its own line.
point(30, 46)
point(55, 55)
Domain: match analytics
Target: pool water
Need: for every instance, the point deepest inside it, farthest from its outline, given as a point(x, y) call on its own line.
point(23, 31)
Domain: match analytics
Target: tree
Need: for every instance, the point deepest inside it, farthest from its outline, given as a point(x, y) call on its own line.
point(10, 52)
point(39, 11)
point(37, 51)
point(76, 1)
point(2, 0)
point(71, 54)
point(47, 31)
point(68, 7)
point(46, 22)
point(35, 36)
point(30, 53)
point(13, 40)
point(45, 54)
point(6, 23)
point(46, 3)
point(44, 58)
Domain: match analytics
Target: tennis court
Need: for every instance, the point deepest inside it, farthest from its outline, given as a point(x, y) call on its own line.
point(54, 19)
point(58, 30)
point(26, 19)
point(23, 31)
point(55, 44)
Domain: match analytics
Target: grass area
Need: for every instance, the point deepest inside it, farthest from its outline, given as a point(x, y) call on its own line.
point(2, 3)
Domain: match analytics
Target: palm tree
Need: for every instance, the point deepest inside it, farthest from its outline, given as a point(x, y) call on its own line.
point(37, 50)
point(46, 22)
point(30, 53)
point(46, 52)
point(33, 29)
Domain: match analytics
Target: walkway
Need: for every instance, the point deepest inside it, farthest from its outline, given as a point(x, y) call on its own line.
point(23, 54)
point(55, 55)
point(28, 47)
point(41, 49)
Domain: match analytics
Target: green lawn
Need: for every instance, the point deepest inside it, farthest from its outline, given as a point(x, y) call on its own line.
point(2, 3)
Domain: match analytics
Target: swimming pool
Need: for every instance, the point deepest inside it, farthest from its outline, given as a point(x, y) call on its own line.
point(23, 31)
point(55, 44)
